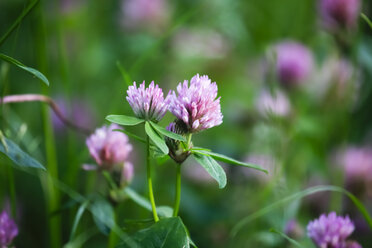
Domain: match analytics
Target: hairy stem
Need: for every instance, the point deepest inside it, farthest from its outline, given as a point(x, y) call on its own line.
point(47, 100)
point(178, 191)
point(149, 180)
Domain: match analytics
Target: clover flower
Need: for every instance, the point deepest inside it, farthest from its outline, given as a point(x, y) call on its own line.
point(8, 229)
point(330, 231)
point(196, 104)
point(294, 63)
point(338, 14)
point(147, 103)
point(108, 147)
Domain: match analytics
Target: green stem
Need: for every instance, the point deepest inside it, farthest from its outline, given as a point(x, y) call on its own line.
point(178, 191)
point(12, 191)
point(149, 180)
point(52, 194)
point(188, 141)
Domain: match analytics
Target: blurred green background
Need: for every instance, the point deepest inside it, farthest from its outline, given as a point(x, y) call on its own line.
point(78, 45)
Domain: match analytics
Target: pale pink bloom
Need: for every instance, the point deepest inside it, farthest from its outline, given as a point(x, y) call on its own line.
point(197, 104)
point(147, 103)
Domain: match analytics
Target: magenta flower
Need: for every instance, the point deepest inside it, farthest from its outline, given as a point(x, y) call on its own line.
point(330, 231)
point(294, 63)
point(338, 14)
point(8, 230)
point(108, 147)
point(147, 103)
point(196, 104)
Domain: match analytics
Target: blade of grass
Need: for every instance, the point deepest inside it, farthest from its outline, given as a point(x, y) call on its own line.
point(300, 195)
point(366, 19)
point(24, 13)
point(292, 241)
point(124, 73)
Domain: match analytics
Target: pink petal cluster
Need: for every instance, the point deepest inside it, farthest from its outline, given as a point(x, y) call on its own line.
point(8, 229)
point(330, 231)
point(337, 14)
point(108, 147)
point(196, 104)
point(294, 63)
point(147, 103)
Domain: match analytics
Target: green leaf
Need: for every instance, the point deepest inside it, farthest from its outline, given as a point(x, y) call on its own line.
point(213, 168)
point(103, 215)
point(163, 211)
point(166, 233)
point(33, 71)
point(167, 133)
point(300, 195)
point(19, 157)
point(78, 216)
point(292, 241)
point(229, 160)
point(200, 149)
point(365, 18)
point(156, 138)
point(124, 120)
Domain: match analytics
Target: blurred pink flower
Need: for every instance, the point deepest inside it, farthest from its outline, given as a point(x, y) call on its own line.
point(276, 103)
point(109, 148)
point(294, 62)
point(356, 163)
point(196, 104)
point(330, 230)
point(339, 14)
point(200, 43)
point(8, 230)
point(151, 14)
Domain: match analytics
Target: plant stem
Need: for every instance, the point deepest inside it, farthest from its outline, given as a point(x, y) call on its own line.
point(12, 190)
point(53, 197)
point(188, 141)
point(149, 180)
point(178, 191)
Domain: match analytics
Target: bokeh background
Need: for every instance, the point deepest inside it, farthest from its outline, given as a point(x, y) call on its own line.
point(315, 130)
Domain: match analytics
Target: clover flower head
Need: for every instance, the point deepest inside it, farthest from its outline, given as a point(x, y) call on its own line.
point(109, 147)
point(8, 229)
point(294, 63)
point(336, 14)
point(147, 103)
point(330, 230)
point(196, 104)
